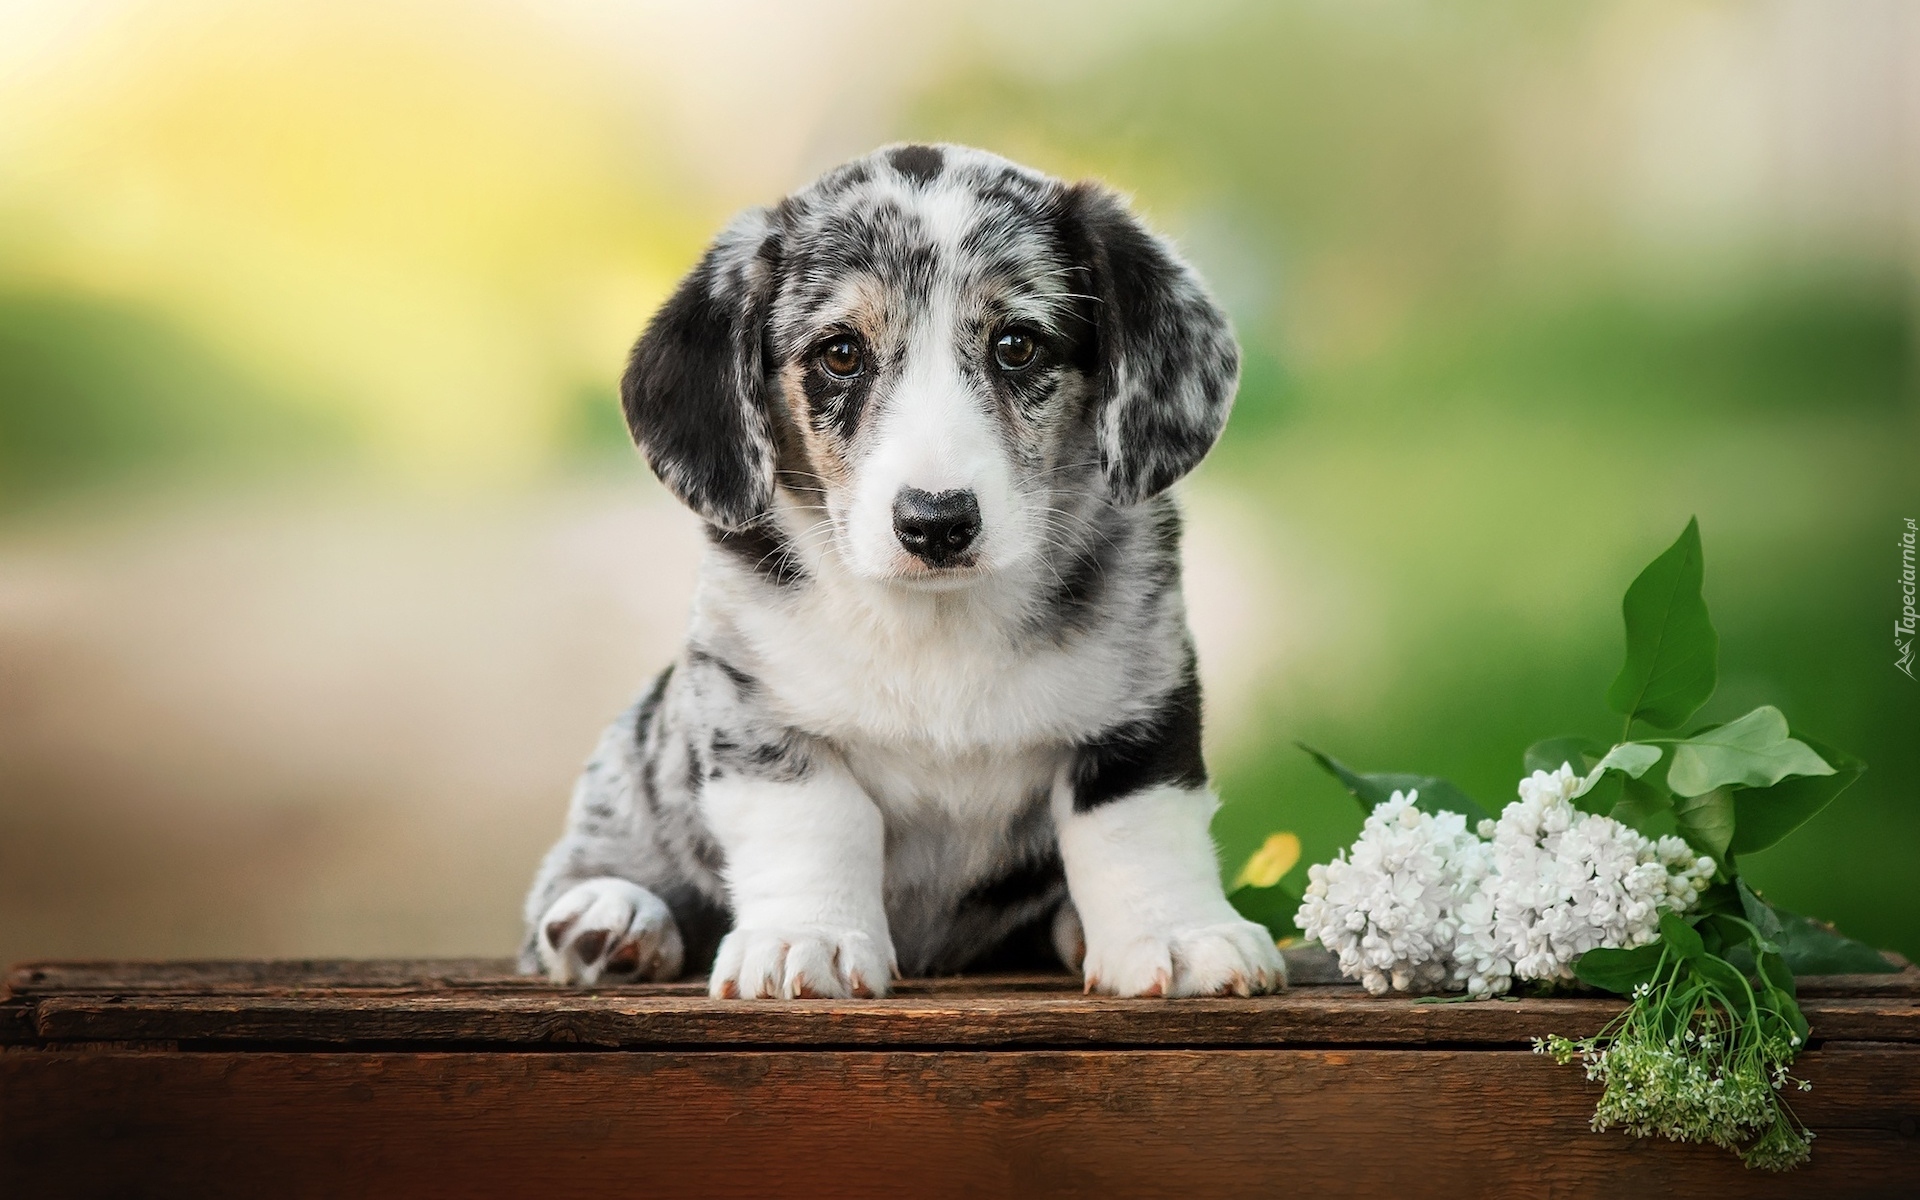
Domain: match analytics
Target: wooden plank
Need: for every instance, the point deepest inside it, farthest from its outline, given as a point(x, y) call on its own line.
point(277, 976)
point(1056, 1123)
point(1309, 967)
point(480, 1001)
point(1322, 1016)
point(1905, 982)
point(39, 978)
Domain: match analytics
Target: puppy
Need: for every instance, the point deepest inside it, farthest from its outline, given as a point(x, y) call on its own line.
point(938, 706)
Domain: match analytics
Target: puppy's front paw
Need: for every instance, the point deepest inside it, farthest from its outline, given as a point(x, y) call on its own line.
point(1234, 957)
point(609, 929)
point(811, 962)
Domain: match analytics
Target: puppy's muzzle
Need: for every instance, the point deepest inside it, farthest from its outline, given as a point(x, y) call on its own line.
point(936, 527)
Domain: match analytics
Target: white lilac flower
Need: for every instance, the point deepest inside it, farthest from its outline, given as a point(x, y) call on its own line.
point(1386, 908)
point(1562, 882)
point(1421, 904)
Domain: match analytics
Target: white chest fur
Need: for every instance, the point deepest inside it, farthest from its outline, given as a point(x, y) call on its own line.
point(938, 677)
point(952, 725)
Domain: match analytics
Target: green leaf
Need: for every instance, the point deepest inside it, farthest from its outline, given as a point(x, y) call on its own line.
point(1672, 649)
point(1723, 975)
point(1757, 911)
point(1738, 941)
point(1813, 948)
point(1580, 754)
point(1725, 935)
point(1779, 976)
point(1618, 970)
point(1765, 815)
point(1550, 753)
point(1755, 751)
point(1680, 937)
point(1706, 821)
point(1603, 797)
point(1645, 805)
point(1789, 1005)
point(1436, 794)
point(1718, 898)
point(1783, 991)
point(1630, 758)
point(1273, 907)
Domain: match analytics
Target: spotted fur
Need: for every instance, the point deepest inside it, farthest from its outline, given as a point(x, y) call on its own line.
point(867, 762)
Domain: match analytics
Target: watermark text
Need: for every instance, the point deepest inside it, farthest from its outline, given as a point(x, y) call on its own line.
point(1903, 627)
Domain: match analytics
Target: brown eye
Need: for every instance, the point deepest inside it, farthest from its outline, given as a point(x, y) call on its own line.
point(841, 357)
point(1014, 349)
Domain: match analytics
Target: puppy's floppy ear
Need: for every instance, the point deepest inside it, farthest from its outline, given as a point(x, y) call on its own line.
point(1167, 363)
point(695, 386)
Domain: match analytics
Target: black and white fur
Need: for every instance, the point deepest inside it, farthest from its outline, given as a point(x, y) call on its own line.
point(870, 761)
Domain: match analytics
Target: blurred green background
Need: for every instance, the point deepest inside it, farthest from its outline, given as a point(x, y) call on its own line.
point(321, 556)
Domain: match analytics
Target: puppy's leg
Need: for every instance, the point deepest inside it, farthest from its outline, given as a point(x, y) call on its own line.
point(805, 872)
point(1145, 881)
point(589, 921)
point(595, 912)
point(608, 927)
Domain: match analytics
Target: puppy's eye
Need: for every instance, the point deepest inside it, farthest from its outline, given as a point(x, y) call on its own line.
point(842, 357)
point(1014, 349)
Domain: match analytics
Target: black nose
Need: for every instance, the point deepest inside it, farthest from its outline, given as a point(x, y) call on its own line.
point(936, 526)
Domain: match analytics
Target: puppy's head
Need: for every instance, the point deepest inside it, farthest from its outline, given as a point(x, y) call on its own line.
point(940, 355)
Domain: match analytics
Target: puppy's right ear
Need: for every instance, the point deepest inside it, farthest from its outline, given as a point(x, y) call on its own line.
point(695, 387)
point(1168, 361)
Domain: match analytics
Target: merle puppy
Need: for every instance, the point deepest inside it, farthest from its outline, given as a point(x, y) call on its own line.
point(937, 706)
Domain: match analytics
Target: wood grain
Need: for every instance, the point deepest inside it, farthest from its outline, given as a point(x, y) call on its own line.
point(632, 1019)
point(1308, 966)
point(37, 978)
point(279, 976)
point(1052, 1123)
point(460, 1078)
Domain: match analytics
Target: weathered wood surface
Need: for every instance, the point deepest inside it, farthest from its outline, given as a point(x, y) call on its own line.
point(461, 1079)
point(481, 1003)
point(866, 1123)
point(1306, 966)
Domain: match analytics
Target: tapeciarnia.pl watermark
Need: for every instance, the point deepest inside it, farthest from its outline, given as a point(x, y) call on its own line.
point(1904, 626)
